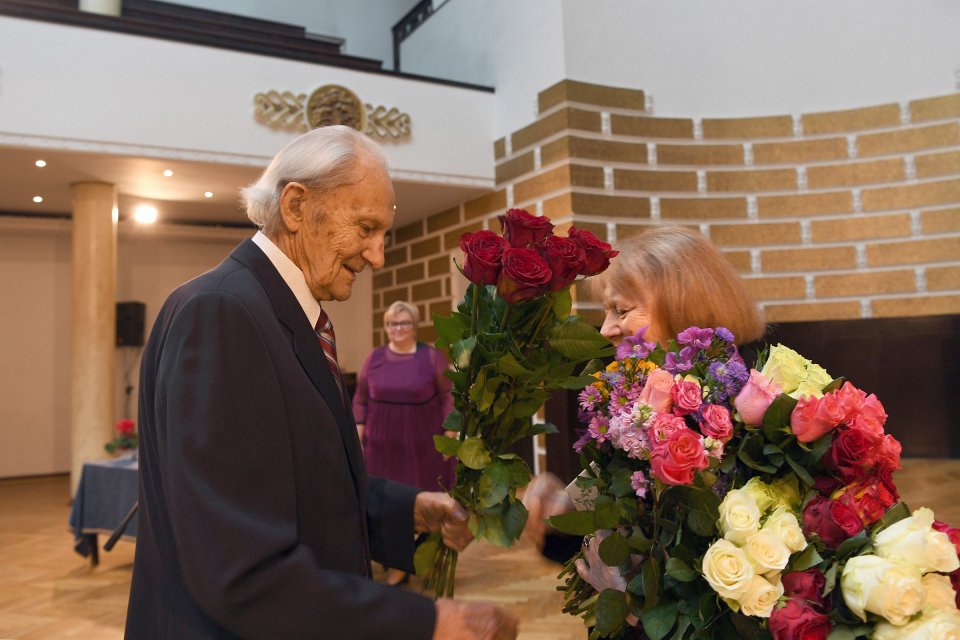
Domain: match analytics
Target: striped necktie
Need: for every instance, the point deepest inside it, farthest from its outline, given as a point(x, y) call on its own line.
point(328, 340)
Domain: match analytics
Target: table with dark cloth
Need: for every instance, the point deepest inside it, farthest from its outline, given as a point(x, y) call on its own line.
point(107, 491)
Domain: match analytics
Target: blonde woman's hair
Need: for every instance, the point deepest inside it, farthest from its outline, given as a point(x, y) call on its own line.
point(684, 280)
point(399, 307)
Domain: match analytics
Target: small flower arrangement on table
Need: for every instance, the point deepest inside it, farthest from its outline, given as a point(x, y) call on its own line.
point(126, 438)
point(511, 342)
point(727, 502)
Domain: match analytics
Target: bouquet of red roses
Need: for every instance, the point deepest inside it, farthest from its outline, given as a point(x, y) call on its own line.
point(511, 341)
point(724, 502)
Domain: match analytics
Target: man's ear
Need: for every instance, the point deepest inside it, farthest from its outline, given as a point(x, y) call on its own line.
point(293, 208)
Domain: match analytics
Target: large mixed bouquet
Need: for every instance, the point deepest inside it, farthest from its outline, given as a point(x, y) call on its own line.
point(511, 342)
point(721, 502)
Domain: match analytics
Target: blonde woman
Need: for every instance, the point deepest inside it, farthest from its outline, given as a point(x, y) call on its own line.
point(400, 403)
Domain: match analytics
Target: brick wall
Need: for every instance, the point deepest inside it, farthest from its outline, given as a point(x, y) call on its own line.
point(839, 215)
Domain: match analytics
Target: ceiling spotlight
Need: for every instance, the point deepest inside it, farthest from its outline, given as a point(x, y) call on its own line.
point(38, 199)
point(168, 172)
point(41, 163)
point(208, 194)
point(145, 214)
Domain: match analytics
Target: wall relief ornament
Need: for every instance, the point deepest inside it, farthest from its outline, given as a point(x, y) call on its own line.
point(328, 105)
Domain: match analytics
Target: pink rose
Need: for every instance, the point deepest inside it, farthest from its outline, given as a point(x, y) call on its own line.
point(663, 425)
point(888, 453)
point(686, 397)
point(756, 397)
point(656, 392)
point(715, 422)
point(862, 411)
point(813, 417)
point(675, 460)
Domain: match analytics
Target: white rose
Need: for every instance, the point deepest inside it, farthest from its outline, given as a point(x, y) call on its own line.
point(891, 589)
point(942, 625)
point(760, 597)
point(767, 496)
point(727, 569)
point(914, 540)
point(767, 552)
point(739, 516)
point(785, 525)
point(939, 593)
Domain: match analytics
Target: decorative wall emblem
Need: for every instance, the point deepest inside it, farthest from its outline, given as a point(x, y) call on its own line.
point(327, 105)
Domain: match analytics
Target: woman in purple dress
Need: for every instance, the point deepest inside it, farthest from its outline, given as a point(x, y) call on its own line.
point(401, 401)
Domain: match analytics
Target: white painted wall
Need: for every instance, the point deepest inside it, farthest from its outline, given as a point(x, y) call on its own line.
point(166, 99)
point(697, 58)
point(365, 25)
point(35, 283)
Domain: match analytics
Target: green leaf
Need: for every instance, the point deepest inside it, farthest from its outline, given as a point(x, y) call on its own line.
point(640, 542)
point(658, 621)
point(576, 339)
point(852, 546)
point(514, 520)
point(805, 559)
point(801, 472)
point(575, 382)
point(607, 515)
point(453, 421)
point(446, 445)
point(651, 581)
point(474, 453)
point(493, 486)
point(577, 523)
point(777, 416)
point(896, 513)
point(683, 623)
point(614, 550)
point(621, 485)
point(680, 570)
point(543, 427)
point(834, 385)
point(461, 351)
point(508, 365)
point(426, 554)
point(562, 304)
point(450, 329)
point(611, 611)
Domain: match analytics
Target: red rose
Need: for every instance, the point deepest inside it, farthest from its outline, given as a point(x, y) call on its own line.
point(852, 453)
point(955, 583)
point(831, 520)
point(715, 422)
point(524, 276)
point(125, 426)
point(870, 497)
point(686, 396)
point(805, 585)
point(952, 533)
point(522, 229)
point(888, 453)
point(565, 257)
point(482, 251)
point(825, 485)
point(862, 411)
point(797, 620)
point(675, 459)
point(598, 252)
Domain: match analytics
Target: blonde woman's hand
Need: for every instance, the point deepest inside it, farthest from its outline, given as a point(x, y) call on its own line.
point(544, 497)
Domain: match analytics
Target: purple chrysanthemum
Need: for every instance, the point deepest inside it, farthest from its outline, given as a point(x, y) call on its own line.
point(582, 441)
point(696, 337)
point(589, 398)
point(730, 376)
point(724, 334)
point(635, 346)
point(599, 429)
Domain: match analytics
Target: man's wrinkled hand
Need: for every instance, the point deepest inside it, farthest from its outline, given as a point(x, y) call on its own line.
point(544, 497)
point(436, 511)
point(473, 621)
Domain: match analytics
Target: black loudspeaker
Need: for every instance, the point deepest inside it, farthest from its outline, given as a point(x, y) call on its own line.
point(130, 316)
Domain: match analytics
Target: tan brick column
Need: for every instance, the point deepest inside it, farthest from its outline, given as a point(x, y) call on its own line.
point(93, 322)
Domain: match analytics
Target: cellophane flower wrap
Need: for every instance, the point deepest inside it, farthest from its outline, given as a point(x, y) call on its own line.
point(511, 342)
point(720, 500)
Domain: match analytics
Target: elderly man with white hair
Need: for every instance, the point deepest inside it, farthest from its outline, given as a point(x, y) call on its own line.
point(257, 518)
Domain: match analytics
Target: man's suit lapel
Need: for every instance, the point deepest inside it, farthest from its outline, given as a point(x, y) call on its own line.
point(306, 346)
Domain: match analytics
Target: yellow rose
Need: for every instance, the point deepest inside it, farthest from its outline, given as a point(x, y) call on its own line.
point(767, 552)
point(892, 589)
point(787, 528)
point(812, 382)
point(939, 593)
point(915, 541)
point(739, 516)
point(760, 597)
point(767, 496)
point(941, 625)
point(727, 569)
point(785, 367)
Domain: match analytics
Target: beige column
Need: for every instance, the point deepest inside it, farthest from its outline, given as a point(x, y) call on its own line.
point(93, 322)
point(106, 7)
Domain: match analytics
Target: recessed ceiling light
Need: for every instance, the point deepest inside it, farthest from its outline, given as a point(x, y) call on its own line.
point(145, 214)
point(208, 194)
point(38, 199)
point(41, 163)
point(168, 172)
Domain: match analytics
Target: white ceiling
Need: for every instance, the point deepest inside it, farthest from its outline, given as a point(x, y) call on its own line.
point(178, 198)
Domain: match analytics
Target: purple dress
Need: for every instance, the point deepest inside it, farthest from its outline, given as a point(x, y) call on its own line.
point(403, 399)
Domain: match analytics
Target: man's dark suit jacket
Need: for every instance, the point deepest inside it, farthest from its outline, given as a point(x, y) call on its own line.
point(257, 519)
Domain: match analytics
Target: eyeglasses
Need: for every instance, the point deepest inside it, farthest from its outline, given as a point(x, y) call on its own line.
point(405, 324)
